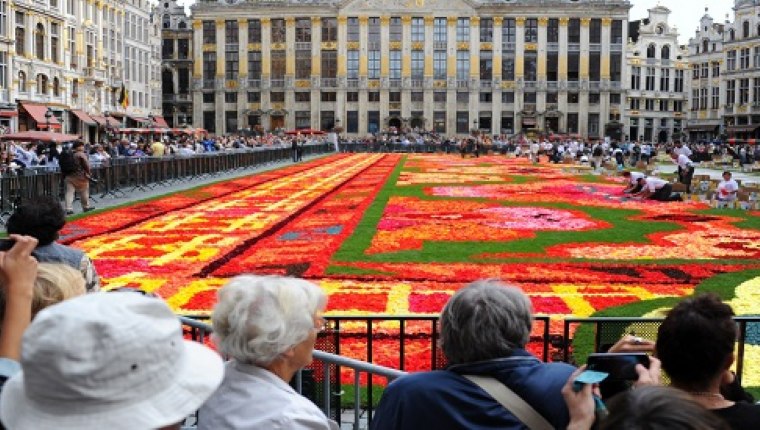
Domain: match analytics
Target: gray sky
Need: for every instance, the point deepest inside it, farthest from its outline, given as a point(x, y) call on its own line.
point(685, 14)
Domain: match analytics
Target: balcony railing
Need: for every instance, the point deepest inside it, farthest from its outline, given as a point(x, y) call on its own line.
point(394, 83)
point(303, 46)
point(329, 82)
point(594, 47)
point(573, 47)
point(508, 46)
point(552, 46)
point(277, 83)
point(439, 45)
point(418, 83)
point(462, 83)
point(486, 84)
point(208, 84)
point(352, 83)
point(254, 83)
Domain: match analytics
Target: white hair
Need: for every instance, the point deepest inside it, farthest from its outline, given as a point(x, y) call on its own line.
point(257, 318)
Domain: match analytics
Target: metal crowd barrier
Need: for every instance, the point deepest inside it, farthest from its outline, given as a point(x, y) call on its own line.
point(120, 176)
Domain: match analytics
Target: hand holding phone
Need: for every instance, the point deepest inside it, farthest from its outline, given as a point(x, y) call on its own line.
point(620, 367)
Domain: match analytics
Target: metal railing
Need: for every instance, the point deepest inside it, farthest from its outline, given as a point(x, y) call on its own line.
point(123, 175)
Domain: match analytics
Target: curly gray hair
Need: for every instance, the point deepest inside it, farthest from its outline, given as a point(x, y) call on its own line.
point(487, 319)
point(257, 318)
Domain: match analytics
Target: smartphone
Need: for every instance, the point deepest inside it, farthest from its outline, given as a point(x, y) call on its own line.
point(620, 366)
point(6, 244)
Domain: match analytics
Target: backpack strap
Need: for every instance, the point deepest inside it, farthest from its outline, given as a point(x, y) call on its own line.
point(511, 402)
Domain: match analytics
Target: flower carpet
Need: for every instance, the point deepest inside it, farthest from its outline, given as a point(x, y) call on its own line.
point(392, 234)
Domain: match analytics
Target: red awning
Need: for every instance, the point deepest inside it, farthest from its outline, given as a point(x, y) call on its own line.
point(37, 112)
point(84, 117)
point(44, 136)
point(160, 122)
point(8, 113)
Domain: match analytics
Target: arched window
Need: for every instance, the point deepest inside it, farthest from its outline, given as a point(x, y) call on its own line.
point(705, 44)
point(745, 29)
point(42, 84)
point(56, 87)
point(39, 41)
point(22, 82)
point(651, 51)
point(665, 52)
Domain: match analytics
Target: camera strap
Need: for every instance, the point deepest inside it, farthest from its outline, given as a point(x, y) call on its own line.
point(511, 402)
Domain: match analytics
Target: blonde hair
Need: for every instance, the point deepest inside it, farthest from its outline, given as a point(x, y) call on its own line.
point(55, 283)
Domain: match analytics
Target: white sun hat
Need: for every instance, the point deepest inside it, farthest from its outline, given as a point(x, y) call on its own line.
point(108, 361)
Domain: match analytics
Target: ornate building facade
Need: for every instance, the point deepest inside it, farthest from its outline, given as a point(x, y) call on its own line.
point(444, 65)
point(64, 64)
point(657, 68)
point(177, 63)
point(707, 99)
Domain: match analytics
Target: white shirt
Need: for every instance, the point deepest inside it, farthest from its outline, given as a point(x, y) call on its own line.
point(684, 150)
point(654, 184)
point(684, 162)
point(635, 177)
point(251, 397)
point(727, 189)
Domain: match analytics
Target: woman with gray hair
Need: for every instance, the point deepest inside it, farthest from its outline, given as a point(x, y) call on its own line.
point(267, 326)
point(484, 329)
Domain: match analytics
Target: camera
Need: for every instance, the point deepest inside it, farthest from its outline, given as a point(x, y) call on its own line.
point(619, 366)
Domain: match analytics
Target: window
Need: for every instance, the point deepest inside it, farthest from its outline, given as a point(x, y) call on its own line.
point(552, 66)
point(716, 69)
point(616, 67)
point(593, 124)
point(651, 51)
point(352, 121)
point(231, 64)
point(439, 122)
point(352, 31)
point(463, 65)
point(418, 64)
point(254, 97)
point(716, 98)
point(303, 63)
point(373, 96)
point(231, 34)
point(486, 30)
point(440, 30)
point(4, 18)
point(303, 119)
point(439, 97)
point(531, 64)
point(56, 87)
point(373, 121)
point(595, 31)
point(3, 70)
point(573, 66)
point(352, 64)
point(665, 80)
point(650, 79)
point(463, 97)
point(277, 64)
point(254, 31)
point(277, 97)
point(486, 65)
point(20, 34)
point(745, 29)
point(663, 105)
point(209, 66)
point(42, 84)
point(678, 83)
point(744, 59)
point(705, 70)
point(756, 57)
point(394, 97)
point(635, 78)
point(743, 91)
point(418, 96)
point(328, 96)
point(54, 34)
point(572, 98)
point(594, 64)
point(730, 92)
point(485, 97)
point(572, 123)
point(531, 30)
point(463, 29)
point(616, 32)
point(254, 65)
point(649, 104)
point(463, 122)
point(507, 97)
point(731, 60)
point(508, 31)
point(230, 97)
point(278, 31)
point(373, 64)
point(439, 64)
point(329, 64)
point(373, 31)
point(635, 104)
point(665, 52)
point(703, 98)
point(209, 32)
point(303, 30)
point(208, 97)
point(552, 31)
point(329, 30)
point(574, 30)
point(395, 64)
point(396, 29)
point(418, 29)
point(508, 69)
point(756, 91)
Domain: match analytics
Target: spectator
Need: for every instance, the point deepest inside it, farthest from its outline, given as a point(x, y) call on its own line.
point(128, 368)
point(78, 180)
point(484, 329)
point(696, 345)
point(42, 218)
point(54, 283)
point(268, 327)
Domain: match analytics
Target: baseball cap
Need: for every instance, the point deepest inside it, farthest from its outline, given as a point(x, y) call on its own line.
point(108, 361)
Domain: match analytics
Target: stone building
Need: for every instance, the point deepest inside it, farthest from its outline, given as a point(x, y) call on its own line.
point(657, 69)
point(67, 62)
point(444, 65)
point(706, 101)
point(176, 63)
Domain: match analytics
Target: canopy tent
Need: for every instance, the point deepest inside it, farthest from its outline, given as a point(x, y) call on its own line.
point(305, 131)
point(37, 112)
point(44, 136)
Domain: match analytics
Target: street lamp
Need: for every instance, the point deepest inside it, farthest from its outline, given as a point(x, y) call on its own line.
point(48, 116)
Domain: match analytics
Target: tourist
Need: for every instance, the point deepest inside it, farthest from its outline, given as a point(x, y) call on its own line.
point(18, 269)
point(108, 360)
point(54, 283)
point(42, 218)
point(632, 182)
point(696, 345)
point(727, 188)
point(76, 178)
point(267, 326)
point(656, 189)
point(685, 168)
point(484, 329)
